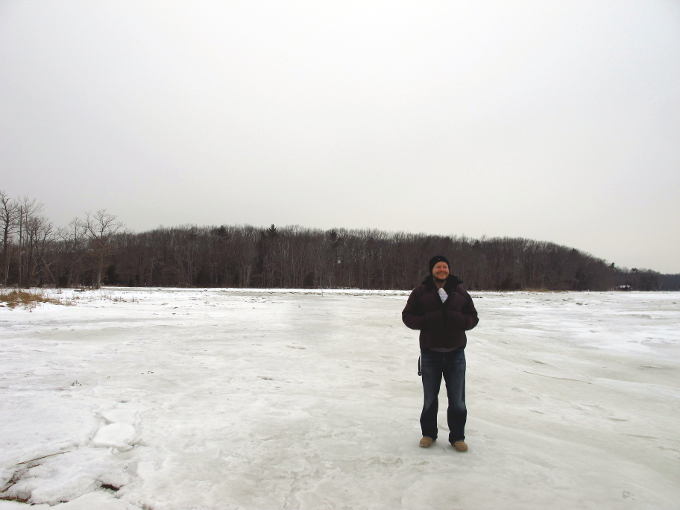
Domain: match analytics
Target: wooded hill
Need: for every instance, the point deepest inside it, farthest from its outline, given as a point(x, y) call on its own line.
point(296, 257)
point(97, 250)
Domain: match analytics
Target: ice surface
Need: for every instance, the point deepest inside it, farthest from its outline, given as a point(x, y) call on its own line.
point(169, 399)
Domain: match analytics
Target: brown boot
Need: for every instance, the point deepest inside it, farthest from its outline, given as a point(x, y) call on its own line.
point(460, 446)
point(426, 442)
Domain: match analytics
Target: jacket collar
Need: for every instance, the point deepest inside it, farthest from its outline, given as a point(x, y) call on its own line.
point(451, 283)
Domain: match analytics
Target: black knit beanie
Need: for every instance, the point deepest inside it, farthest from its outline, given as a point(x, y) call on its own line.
point(438, 258)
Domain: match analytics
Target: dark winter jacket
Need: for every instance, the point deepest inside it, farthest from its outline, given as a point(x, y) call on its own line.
point(441, 325)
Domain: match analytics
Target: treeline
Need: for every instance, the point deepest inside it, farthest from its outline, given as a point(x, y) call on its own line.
point(97, 250)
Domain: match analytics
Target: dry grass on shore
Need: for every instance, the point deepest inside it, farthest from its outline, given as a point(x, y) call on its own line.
point(28, 299)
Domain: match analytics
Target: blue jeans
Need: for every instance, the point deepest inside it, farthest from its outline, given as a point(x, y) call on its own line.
point(433, 366)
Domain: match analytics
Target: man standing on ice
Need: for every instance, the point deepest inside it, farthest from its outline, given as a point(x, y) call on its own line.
point(442, 310)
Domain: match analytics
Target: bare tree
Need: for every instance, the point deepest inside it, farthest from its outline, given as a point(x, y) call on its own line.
point(73, 244)
point(39, 233)
point(28, 210)
point(8, 221)
point(101, 227)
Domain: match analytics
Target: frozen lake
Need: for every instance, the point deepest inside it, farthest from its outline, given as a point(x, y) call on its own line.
point(242, 399)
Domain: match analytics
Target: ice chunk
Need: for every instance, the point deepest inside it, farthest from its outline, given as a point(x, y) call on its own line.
point(116, 435)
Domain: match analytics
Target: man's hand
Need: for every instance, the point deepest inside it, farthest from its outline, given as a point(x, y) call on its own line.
point(433, 320)
point(456, 318)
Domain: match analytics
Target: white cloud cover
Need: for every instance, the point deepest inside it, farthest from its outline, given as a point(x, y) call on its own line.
point(556, 121)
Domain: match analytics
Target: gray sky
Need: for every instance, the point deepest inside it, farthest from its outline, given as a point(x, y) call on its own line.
point(557, 121)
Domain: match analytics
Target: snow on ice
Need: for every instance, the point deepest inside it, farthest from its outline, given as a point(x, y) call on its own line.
point(173, 399)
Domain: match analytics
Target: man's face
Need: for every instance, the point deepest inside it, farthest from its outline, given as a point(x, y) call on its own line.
point(440, 271)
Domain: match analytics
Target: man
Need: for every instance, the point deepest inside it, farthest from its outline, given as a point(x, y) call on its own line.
point(442, 310)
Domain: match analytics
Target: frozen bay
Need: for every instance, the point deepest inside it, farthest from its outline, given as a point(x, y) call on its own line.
point(244, 399)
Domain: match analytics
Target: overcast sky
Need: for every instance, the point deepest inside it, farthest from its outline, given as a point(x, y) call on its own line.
point(550, 120)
